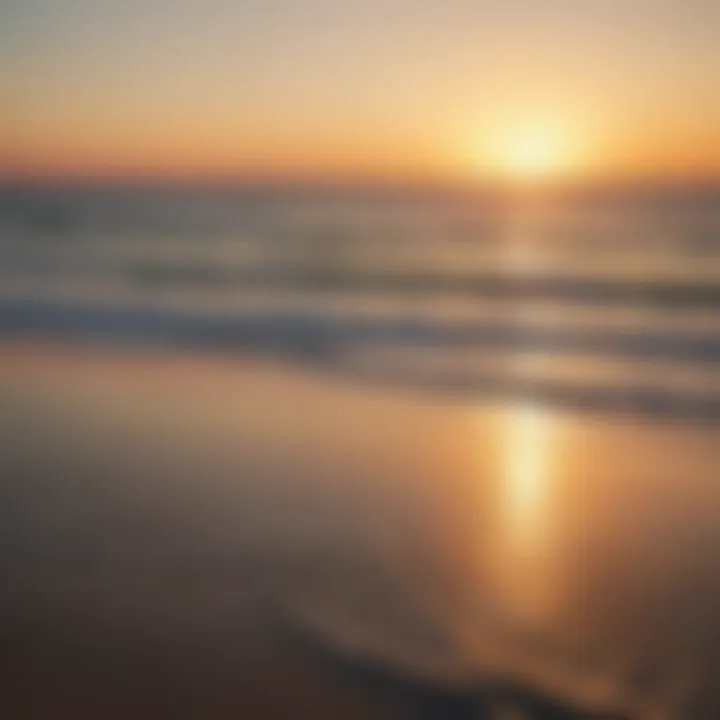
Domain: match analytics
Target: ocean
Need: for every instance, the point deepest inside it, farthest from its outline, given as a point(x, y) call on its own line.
point(499, 411)
point(615, 294)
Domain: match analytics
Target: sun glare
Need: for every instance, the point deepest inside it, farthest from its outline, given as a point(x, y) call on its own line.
point(532, 154)
point(529, 153)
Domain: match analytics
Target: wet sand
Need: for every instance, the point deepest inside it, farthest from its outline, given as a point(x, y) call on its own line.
point(165, 517)
point(204, 537)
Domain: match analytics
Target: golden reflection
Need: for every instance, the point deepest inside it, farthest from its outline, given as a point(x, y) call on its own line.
point(523, 256)
point(526, 507)
point(528, 438)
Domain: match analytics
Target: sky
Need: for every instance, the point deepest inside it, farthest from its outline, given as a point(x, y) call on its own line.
point(400, 88)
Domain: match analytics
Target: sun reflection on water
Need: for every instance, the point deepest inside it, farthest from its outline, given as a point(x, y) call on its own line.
point(526, 503)
point(526, 475)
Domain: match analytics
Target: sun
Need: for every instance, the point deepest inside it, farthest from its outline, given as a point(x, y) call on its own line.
point(532, 153)
point(528, 153)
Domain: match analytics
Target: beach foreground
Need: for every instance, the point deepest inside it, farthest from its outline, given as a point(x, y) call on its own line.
point(200, 537)
point(179, 530)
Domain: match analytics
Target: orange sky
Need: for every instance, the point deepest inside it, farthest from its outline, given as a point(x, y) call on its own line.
point(410, 88)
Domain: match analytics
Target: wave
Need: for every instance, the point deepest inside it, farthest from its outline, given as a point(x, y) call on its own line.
point(398, 352)
point(493, 285)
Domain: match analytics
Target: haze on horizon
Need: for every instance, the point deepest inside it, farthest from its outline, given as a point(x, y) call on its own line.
point(380, 88)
